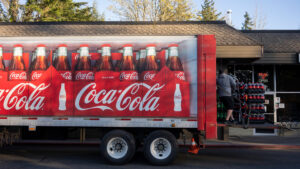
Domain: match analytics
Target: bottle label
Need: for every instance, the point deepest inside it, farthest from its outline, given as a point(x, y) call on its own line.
point(35, 75)
point(84, 75)
point(180, 75)
point(3, 75)
point(148, 75)
point(67, 75)
point(129, 76)
point(106, 75)
point(16, 75)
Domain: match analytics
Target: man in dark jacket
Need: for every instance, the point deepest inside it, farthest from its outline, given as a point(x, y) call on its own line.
point(226, 85)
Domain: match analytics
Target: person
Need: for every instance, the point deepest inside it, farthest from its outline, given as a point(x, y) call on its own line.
point(226, 85)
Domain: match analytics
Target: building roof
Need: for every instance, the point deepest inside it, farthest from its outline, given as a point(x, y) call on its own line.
point(225, 34)
point(277, 41)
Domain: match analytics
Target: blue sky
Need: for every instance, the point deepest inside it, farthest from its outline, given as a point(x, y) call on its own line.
point(280, 14)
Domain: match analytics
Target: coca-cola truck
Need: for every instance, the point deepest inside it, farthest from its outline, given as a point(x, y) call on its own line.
point(136, 91)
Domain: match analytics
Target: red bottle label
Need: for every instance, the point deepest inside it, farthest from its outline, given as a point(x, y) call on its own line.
point(3, 75)
point(35, 75)
point(17, 75)
point(107, 75)
point(148, 75)
point(84, 75)
point(129, 76)
point(180, 75)
point(67, 75)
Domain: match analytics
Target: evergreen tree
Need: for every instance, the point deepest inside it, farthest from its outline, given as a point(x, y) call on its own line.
point(47, 10)
point(208, 12)
point(248, 23)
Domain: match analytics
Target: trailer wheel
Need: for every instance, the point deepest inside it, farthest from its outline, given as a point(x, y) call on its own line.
point(118, 147)
point(160, 147)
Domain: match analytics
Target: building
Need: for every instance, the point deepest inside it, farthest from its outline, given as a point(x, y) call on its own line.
point(271, 56)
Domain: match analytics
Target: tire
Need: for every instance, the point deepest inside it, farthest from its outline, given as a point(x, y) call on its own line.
point(164, 140)
point(118, 147)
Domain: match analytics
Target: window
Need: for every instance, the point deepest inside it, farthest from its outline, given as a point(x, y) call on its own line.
point(291, 110)
point(265, 75)
point(288, 77)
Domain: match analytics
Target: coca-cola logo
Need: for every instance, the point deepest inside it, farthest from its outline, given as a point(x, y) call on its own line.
point(17, 76)
point(36, 75)
point(180, 75)
point(67, 75)
point(89, 98)
point(129, 76)
point(17, 97)
point(84, 76)
point(149, 76)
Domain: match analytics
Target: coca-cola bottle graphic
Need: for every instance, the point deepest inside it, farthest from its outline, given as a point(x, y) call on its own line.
point(137, 57)
point(62, 64)
point(117, 63)
point(127, 67)
point(84, 65)
point(62, 98)
point(150, 66)
point(174, 63)
point(17, 70)
point(177, 98)
point(141, 61)
point(39, 62)
point(2, 65)
point(105, 61)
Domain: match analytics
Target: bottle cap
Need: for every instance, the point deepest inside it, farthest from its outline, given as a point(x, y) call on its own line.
point(173, 45)
point(84, 45)
point(105, 45)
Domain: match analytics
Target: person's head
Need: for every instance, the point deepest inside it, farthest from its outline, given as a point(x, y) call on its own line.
point(222, 70)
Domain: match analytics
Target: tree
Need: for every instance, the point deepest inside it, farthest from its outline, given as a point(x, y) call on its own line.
point(48, 10)
point(95, 14)
point(153, 10)
point(208, 12)
point(259, 19)
point(248, 23)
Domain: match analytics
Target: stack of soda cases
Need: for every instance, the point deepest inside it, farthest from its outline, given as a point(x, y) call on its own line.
point(256, 100)
point(221, 112)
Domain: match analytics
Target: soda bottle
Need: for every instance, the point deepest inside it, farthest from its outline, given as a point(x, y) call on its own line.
point(2, 65)
point(127, 67)
point(174, 63)
point(84, 66)
point(62, 64)
point(39, 62)
point(150, 66)
point(17, 70)
point(137, 57)
point(105, 61)
point(62, 98)
point(117, 64)
point(84, 60)
point(177, 98)
point(142, 59)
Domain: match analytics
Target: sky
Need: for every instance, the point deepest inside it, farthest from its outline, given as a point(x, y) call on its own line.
point(279, 14)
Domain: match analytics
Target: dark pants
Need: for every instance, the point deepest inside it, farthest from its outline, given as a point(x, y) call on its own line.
point(228, 102)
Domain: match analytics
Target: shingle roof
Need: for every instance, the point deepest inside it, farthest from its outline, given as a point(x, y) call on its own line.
point(225, 35)
point(277, 41)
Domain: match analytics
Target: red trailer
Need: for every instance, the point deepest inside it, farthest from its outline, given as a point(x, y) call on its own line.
point(127, 107)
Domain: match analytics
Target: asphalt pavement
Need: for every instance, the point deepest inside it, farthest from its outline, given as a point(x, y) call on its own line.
point(88, 157)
